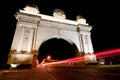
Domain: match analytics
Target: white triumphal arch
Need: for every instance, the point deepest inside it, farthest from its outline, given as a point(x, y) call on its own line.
point(33, 29)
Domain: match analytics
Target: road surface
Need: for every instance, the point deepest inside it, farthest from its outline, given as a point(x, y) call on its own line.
point(63, 73)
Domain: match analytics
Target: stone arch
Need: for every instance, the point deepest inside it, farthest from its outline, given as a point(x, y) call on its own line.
point(58, 48)
point(33, 28)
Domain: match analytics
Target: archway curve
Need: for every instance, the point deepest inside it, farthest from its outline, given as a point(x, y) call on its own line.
point(58, 48)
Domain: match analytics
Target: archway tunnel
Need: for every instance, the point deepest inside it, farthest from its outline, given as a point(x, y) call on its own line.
point(58, 49)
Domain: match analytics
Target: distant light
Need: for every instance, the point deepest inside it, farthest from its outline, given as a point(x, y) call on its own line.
point(101, 62)
point(48, 57)
point(43, 65)
point(13, 65)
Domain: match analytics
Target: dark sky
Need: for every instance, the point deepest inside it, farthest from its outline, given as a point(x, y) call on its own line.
point(103, 16)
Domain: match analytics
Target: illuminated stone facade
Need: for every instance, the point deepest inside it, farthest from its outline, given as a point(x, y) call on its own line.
point(33, 29)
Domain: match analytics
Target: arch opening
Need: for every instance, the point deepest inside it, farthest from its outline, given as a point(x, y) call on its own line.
point(58, 49)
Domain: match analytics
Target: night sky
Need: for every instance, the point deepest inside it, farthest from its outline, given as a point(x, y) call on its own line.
point(103, 16)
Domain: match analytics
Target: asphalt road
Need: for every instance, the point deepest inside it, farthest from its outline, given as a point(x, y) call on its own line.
point(63, 73)
point(84, 73)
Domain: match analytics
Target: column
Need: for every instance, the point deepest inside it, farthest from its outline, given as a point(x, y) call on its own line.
point(81, 43)
point(90, 46)
point(30, 40)
point(34, 39)
point(85, 43)
point(21, 39)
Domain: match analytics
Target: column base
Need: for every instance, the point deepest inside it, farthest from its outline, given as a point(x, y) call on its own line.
point(90, 58)
point(19, 58)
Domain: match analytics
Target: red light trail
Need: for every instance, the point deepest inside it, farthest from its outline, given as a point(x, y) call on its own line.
point(108, 52)
point(97, 54)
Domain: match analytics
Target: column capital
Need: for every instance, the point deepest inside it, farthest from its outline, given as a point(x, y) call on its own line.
point(85, 33)
point(85, 27)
